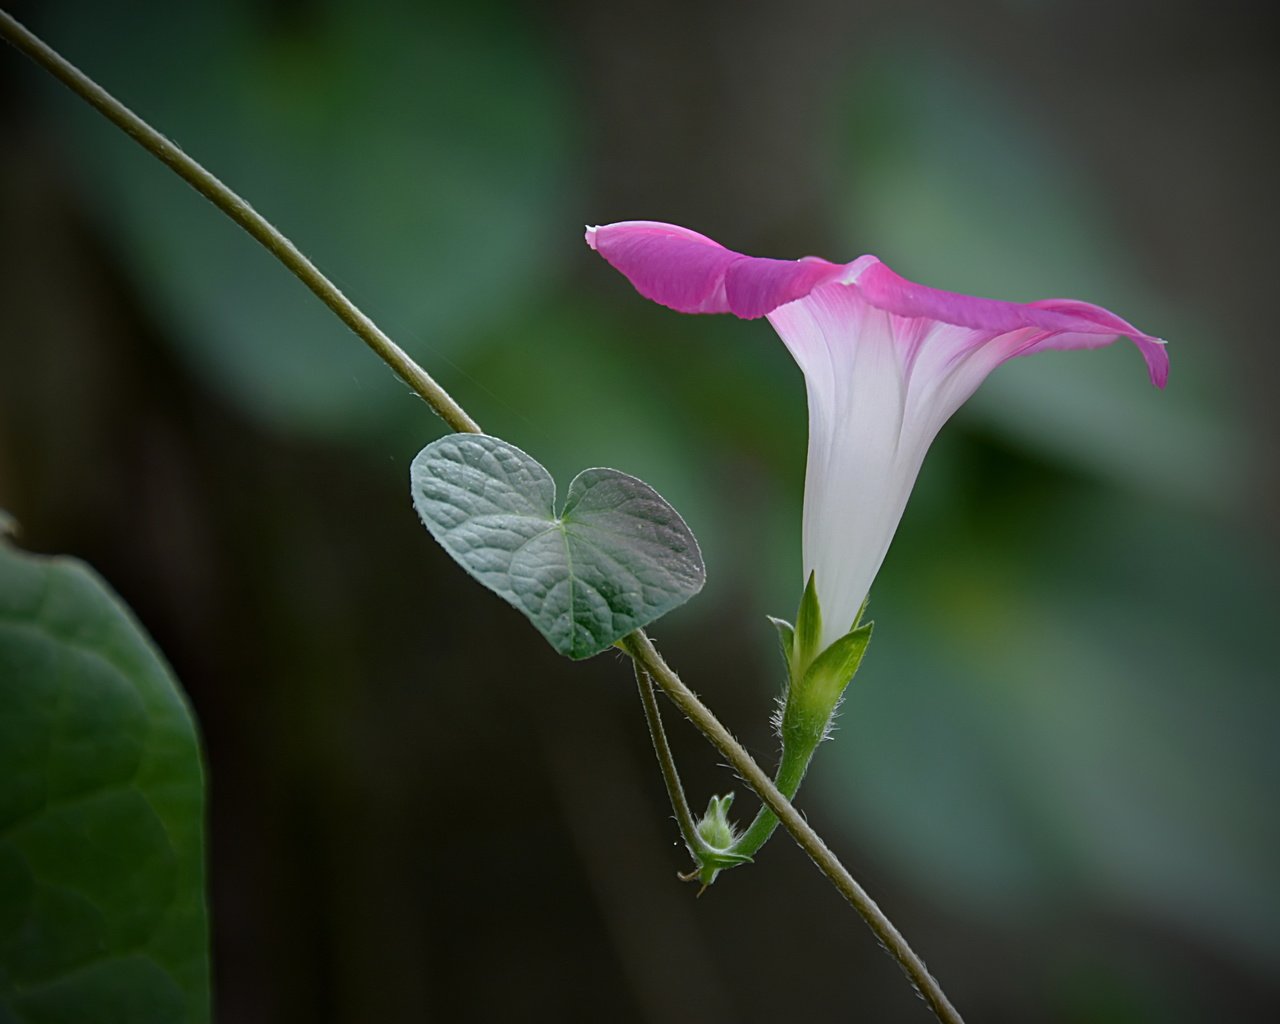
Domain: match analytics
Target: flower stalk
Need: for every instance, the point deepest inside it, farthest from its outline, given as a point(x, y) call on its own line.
point(816, 683)
point(641, 649)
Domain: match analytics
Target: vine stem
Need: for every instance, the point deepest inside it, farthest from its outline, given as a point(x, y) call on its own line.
point(637, 644)
point(641, 649)
point(212, 188)
point(675, 790)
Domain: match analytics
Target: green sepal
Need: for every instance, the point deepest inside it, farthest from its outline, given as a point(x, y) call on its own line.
point(833, 670)
point(817, 676)
point(862, 610)
point(786, 639)
point(723, 859)
point(808, 630)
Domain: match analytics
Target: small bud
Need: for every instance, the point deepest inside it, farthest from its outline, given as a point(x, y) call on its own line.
point(716, 835)
point(715, 829)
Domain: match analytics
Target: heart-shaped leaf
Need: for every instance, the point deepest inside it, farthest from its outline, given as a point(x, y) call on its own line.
point(615, 559)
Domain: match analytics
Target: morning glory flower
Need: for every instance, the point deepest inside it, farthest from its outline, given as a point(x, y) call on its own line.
point(885, 361)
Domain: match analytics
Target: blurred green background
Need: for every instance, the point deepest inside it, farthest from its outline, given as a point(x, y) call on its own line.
point(1058, 768)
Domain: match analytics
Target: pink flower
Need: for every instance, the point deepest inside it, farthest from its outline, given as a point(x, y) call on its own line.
point(886, 362)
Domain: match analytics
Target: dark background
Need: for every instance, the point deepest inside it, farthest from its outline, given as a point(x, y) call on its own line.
point(1058, 768)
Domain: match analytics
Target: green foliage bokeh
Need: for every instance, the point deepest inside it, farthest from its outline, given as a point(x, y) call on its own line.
point(1063, 739)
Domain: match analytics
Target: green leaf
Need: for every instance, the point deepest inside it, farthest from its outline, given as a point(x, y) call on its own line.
point(615, 559)
point(102, 908)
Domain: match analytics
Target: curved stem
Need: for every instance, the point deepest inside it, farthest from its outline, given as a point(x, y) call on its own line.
point(675, 789)
point(243, 214)
point(791, 771)
point(636, 644)
point(641, 648)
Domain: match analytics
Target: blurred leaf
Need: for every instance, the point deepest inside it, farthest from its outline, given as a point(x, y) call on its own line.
point(1067, 709)
point(962, 186)
point(102, 912)
point(616, 558)
point(1078, 716)
point(387, 140)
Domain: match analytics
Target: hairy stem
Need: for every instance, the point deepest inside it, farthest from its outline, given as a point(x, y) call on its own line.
point(636, 644)
point(791, 771)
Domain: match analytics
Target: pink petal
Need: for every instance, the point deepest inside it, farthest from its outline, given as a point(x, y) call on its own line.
point(691, 273)
point(1153, 350)
point(1069, 323)
point(673, 266)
